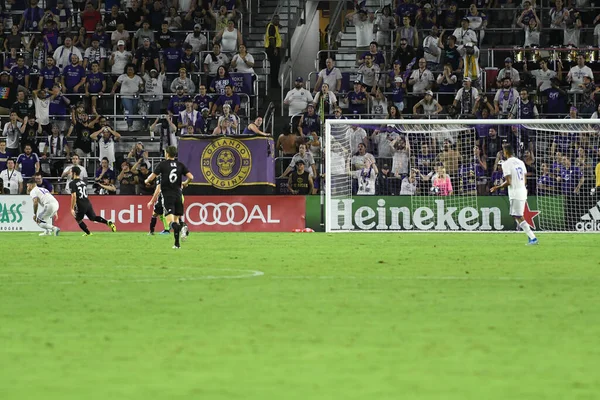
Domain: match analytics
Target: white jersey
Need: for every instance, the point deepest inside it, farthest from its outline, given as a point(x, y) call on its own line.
point(516, 169)
point(43, 195)
point(366, 181)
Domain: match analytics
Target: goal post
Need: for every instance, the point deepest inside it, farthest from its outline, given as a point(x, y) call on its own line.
point(435, 175)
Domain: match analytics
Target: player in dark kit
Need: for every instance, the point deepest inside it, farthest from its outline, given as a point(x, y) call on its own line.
point(158, 212)
point(170, 172)
point(81, 205)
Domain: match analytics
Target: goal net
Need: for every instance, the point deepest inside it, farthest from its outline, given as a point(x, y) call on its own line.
point(436, 175)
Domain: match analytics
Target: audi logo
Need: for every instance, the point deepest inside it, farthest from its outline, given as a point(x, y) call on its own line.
point(222, 214)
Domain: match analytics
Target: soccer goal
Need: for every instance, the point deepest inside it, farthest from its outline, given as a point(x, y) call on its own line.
point(436, 175)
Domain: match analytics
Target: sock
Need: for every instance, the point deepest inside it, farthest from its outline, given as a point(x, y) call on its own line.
point(84, 227)
point(527, 229)
point(152, 223)
point(100, 219)
point(46, 225)
point(165, 223)
point(176, 230)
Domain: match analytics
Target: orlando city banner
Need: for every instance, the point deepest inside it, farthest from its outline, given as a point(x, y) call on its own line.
point(226, 162)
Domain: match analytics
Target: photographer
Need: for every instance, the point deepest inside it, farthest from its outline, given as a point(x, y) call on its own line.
point(138, 152)
point(127, 179)
point(102, 174)
point(104, 186)
point(481, 104)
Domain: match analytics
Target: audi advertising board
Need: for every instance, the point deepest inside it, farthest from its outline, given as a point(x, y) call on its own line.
point(202, 213)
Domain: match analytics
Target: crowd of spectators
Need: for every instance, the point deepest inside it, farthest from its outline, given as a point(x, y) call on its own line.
point(421, 59)
point(74, 70)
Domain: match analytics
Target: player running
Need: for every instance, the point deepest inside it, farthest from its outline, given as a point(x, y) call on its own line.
point(157, 212)
point(81, 205)
point(514, 172)
point(170, 172)
point(49, 208)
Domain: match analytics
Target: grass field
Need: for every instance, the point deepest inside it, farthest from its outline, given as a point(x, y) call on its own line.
point(299, 316)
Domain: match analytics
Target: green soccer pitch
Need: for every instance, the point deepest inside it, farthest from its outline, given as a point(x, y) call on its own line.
point(299, 316)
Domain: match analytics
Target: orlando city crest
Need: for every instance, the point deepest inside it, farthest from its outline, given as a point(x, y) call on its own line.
point(226, 163)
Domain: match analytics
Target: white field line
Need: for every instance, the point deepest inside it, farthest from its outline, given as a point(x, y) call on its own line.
point(431, 278)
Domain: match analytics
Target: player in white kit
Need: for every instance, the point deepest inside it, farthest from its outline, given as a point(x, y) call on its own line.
point(45, 207)
point(514, 172)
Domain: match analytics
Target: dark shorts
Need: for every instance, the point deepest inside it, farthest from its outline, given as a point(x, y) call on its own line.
point(172, 204)
point(83, 210)
point(158, 206)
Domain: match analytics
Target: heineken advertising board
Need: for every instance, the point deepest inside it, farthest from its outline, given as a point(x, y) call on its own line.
point(381, 213)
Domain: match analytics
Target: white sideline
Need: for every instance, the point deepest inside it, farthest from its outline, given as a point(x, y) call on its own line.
point(431, 278)
point(100, 278)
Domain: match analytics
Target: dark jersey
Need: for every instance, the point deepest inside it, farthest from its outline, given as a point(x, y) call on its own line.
point(300, 182)
point(79, 187)
point(170, 173)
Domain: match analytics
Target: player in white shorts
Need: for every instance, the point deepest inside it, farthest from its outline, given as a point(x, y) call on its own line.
point(45, 207)
point(514, 172)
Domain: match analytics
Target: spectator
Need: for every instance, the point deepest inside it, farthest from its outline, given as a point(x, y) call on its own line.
point(148, 55)
point(95, 85)
point(223, 128)
point(41, 182)
point(131, 85)
point(243, 62)
point(119, 58)
point(557, 98)
point(62, 55)
point(496, 180)
point(451, 55)
point(213, 61)
point(233, 118)
point(114, 18)
point(105, 171)
point(174, 19)
point(428, 104)
point(325, 101)
point(11, 178)
point(363, 23)
point(441, 184)
point(273, 50)
point(90, 17)
point(188, 59)
point(483, 108)
point(83, 130)
point(367, 177)
point(3, 154)
point(425, 159)
point(28, 162)
point(177, 102)
point(298, 98)
point(220, 82)
point(94, 53)
point(138, 152)
point(73, 76)
point(545, 182)
point(135, 16)
point(505, 98)
point(427, 18)
point(470, 54)
point(408, 32)
point(330, 75)
point(106, 137)
point(404, 54)
point(466, 97)
point(64, 16)
point(449, 17)
point(155, 14)
point(80, 39)
point(19, 74)
point(12, 43)
point(596, 114)
point(229, 38)
point(446, 82)
point(306, 157)
point(56, 148)
point(50, 35)
point(164, 36)
point(523, 108)
point(379, 104)
point(588, 98)
point(464, 34)
point(196, 39)
point(421, 79)
point(369, 74)
point(31, 130)
point(577, 72)
point(384, 26)
point(153, 94)
point(449, 157)
point(31, 17)
point(41, 101)
point(183, 80)
point(49, 75)
point(573, 113)
point(571, 178)
point(401, 157)
point(543, 75)
point(172, 56)
point(309, 121)
point(377, 56)
point(202, 100)
point(140, 169)
point(190, 117)
point(508, 72)
point(532, 28)
point(229, 97)
point(300, 181)
point(13, 130)
point(572, 28)
point(432, 51)
point(127, 180)
point(21, 106)
point(120, 35)
point(287, 143)
point(253, 128)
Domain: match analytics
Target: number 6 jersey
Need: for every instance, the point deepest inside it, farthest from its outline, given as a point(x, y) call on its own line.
point(170, 173)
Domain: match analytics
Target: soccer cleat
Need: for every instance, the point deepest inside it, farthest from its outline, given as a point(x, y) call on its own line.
point(87, 234)
point(45, 233)
point(165, 233)
point(184, 232)
point(112, 226)
point(150, 233)
point(56, 231)
point(176, 247)
point(532, 242)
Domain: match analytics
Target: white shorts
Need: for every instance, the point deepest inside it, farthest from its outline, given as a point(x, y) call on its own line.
point(517, 207)
point(48, 211)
